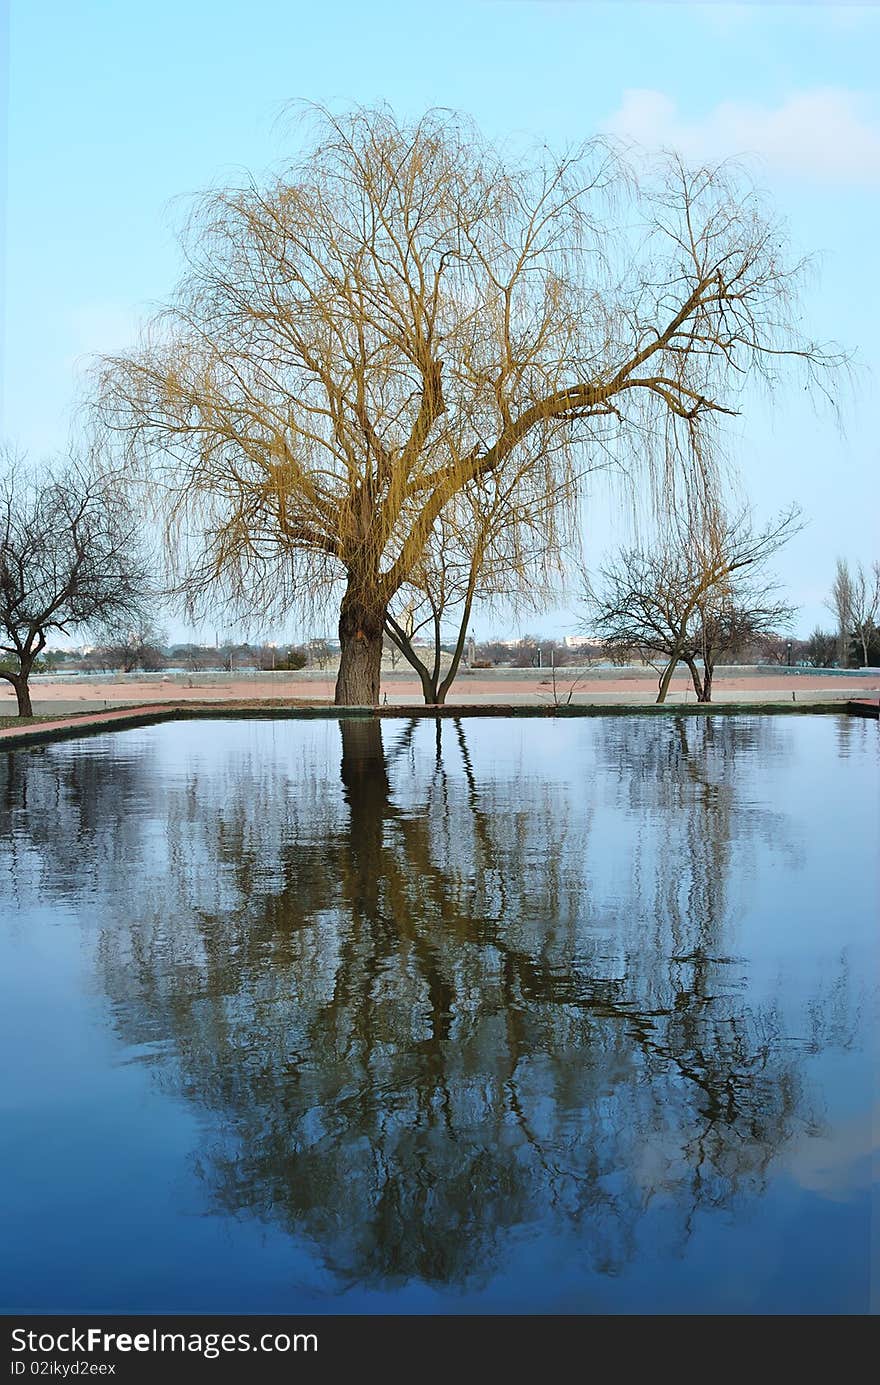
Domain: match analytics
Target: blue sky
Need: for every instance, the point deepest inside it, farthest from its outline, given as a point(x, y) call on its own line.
point(117, 111)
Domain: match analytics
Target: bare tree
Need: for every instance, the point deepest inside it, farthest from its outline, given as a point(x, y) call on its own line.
point(840, 604)
point(821, 649)
point(646, 605)
point(70, 557)
point(686, 597)
point(141, 647)
point(732, 617)
point(855, 601)
point(403, 314)
point(864, 606)
point(319, 652)
point(195, 658)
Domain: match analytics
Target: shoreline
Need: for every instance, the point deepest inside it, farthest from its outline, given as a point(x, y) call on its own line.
point(82, 724)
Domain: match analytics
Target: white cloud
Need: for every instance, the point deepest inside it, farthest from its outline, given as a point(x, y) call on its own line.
point(828, 134)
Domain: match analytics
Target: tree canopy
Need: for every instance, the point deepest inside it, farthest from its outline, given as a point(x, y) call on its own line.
point(405, 313)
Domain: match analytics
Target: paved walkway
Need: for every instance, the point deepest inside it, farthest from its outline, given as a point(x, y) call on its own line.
point(57, 696)
point(90, 721)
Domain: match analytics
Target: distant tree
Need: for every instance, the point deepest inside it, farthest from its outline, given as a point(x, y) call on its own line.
point(238, 656)
point(196, 658)
point(821, 649)
point(772, 649)
point(491, 653)
point(620, 654)
point(865, 651)
point(682, 599)
point(646, 605)
point(584, 653)
point(99, 659)
point(53, 660)
point(855, 601)
point(70, 558)
point(391, 648)
point(140, 648)
point(287, 658)
point(319, 652)
point(557, 654)
point(526, 652)
point(840, 603)
point(864, 609)
point(295, 657)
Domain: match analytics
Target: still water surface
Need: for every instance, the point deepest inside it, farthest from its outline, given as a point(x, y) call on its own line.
point(526, 1016)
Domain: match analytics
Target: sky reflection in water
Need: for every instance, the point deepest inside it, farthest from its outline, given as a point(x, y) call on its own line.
point(553, 1016)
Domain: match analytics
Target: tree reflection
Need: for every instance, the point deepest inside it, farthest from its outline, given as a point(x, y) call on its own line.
point(71, 815)
point(426, 1016)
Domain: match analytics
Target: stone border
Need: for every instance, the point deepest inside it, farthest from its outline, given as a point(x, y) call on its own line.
point(865, 707)
point(90, 724)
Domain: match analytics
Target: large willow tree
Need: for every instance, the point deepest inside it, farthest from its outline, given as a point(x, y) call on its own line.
point(403, 315)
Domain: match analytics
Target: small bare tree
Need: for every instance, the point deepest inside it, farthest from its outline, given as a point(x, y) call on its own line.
point(855, 600)
point(405, 313)
point(685, 597)
point(70, 558)
point(646, 604)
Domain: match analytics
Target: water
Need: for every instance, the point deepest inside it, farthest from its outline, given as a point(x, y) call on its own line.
point(526, 1016)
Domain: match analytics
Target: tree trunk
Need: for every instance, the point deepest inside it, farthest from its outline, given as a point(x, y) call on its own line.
point(708, 670)
point(702, 686)
point(361, 625)
point(666, 679)
point(23, 694)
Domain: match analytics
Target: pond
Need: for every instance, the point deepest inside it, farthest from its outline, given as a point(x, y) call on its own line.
point(507, 1016)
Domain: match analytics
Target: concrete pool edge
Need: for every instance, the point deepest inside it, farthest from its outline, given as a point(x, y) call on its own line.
point(89, 724)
